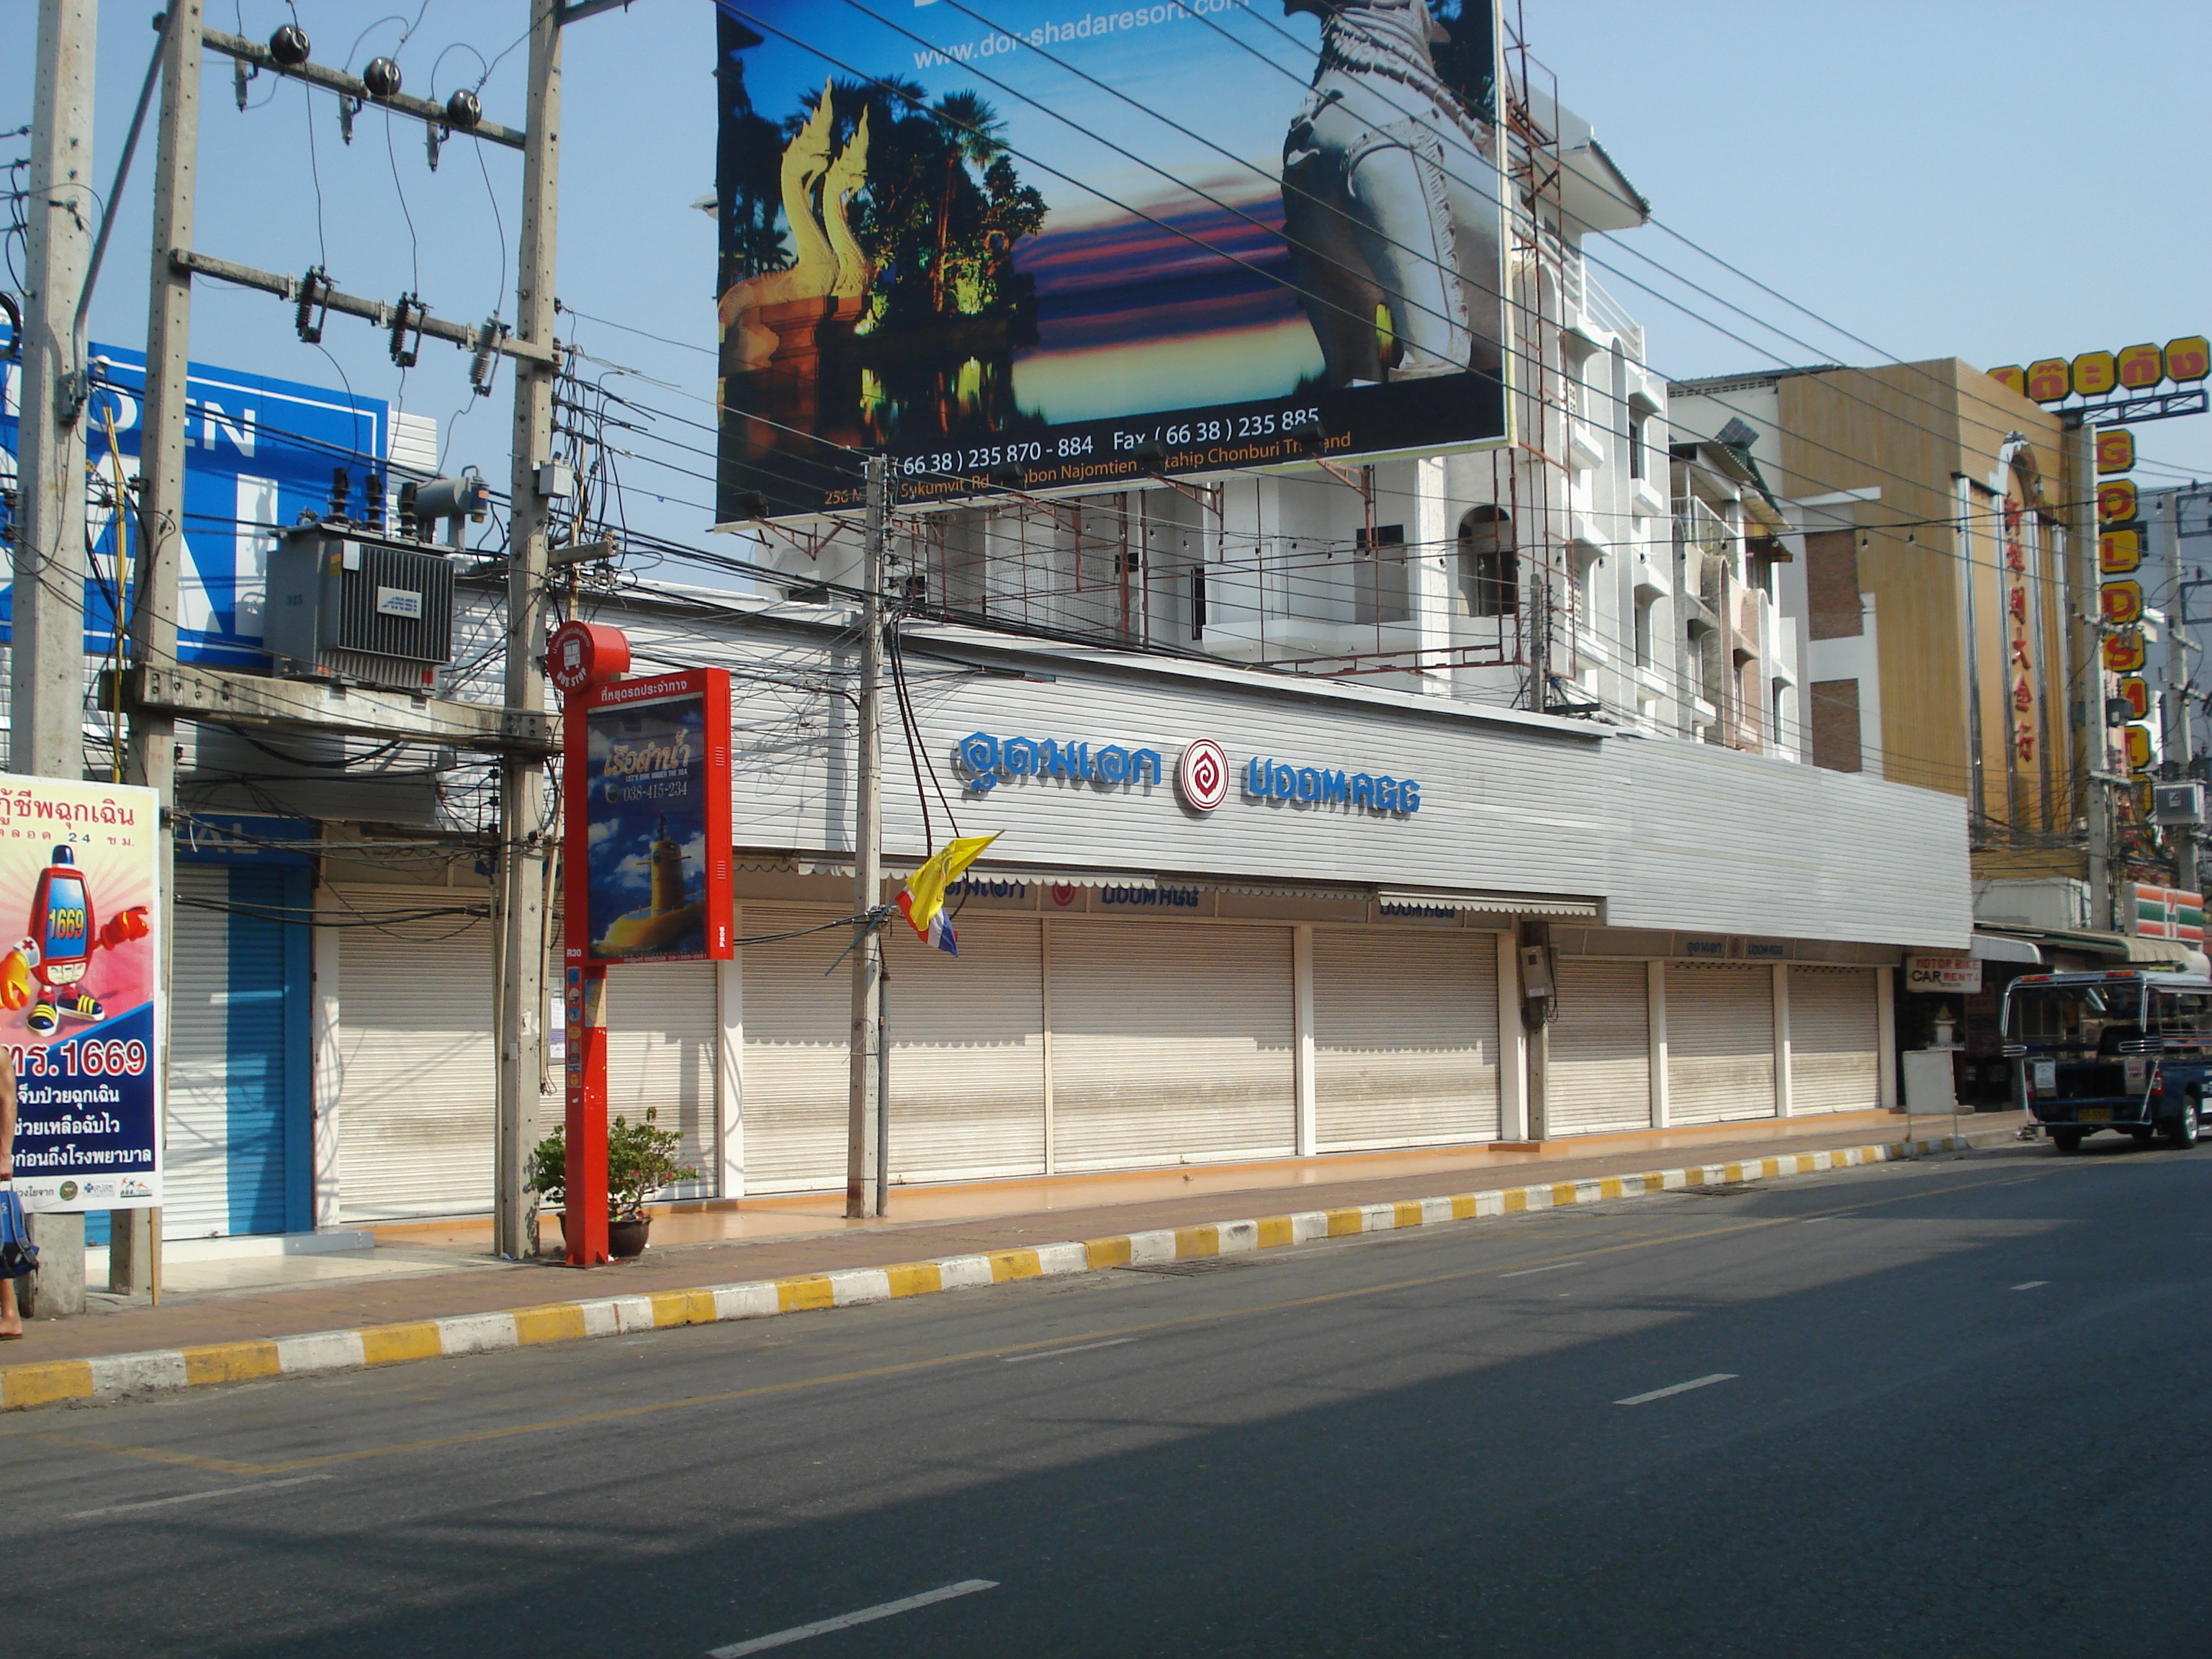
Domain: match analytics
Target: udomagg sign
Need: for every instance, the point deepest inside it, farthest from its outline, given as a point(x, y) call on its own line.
point(81, 919)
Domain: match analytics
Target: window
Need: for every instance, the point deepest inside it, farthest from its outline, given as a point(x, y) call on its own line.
point(1489, 566)
point(1637, 464)
point(1646, 599)
point(1379, 592)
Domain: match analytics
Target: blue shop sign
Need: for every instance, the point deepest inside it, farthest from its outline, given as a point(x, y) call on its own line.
point(1266, 779)
point(988, 760)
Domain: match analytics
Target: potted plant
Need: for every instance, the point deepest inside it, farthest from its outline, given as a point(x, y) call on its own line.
point(641, 1161)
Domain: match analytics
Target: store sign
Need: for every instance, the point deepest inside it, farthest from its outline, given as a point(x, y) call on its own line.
point(1314, 785)
point(2173, 913)
point(2094, 373)
point(1202, 775)
point(1943, 973)
point(989, 760)
point(78, 867)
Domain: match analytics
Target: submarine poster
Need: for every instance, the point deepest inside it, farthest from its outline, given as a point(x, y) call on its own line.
point(80, 954)
point(649, 826)
point(1047, 244)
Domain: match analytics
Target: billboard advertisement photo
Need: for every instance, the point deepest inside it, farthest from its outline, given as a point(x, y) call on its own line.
point(649, 874)
point(80, 918)
point(1033, 242)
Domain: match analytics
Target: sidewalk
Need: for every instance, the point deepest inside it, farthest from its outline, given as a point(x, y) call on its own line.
point(782, 1239)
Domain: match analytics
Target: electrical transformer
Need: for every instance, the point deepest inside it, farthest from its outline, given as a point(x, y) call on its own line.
point(2177, 803)
point(345, 603)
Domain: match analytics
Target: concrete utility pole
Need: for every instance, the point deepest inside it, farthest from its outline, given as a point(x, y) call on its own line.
point(46, 664)
point(152, 759)
point(2093, 750)
point(862, 1102)
point(522, 778)
point(2177, 746)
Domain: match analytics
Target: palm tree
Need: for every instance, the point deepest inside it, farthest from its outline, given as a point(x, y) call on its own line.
point(975, 134)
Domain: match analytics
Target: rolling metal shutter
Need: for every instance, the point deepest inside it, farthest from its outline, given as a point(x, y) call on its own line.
point(196, 1175)
point(662, 1024)
point(967, 1069)
point(1835, 1039)
point(1405, 1038)
point(1600, 1048)
point(1171, 1044)
point(797, 1023)
point(1720, 1041)
point(417, 1061)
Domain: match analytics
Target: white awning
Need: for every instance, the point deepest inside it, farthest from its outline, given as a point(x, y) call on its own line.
point(1998, 947)
point(1509, 904)
point(1277, 889)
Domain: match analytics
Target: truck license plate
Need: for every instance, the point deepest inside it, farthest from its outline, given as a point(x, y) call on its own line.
point(2094, 1114)
point(2046, 1076)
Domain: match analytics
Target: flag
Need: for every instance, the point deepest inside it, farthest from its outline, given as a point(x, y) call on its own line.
point(922, 904)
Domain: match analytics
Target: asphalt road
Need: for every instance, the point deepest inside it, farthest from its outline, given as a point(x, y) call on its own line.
point(1957, 1406)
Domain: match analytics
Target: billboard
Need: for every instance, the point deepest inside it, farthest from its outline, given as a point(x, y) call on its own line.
point(78, 898)
point(1031, 242)
point(649, 820)
point(257, 453)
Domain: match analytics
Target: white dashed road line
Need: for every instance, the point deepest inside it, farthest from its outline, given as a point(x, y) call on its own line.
point(1553, 1269)
point(192, 1496)
point(1679, 1387)
point(1054, 1354)
point(846, 1621)
point(2033, 1284)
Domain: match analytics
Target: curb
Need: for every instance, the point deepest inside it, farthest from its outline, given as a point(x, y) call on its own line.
point(113, 1377)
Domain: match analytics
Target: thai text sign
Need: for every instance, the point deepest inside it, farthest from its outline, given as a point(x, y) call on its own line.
point(77, 986)
point(1043, 245)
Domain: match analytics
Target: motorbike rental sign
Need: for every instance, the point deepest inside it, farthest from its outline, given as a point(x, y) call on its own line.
point(1944, 974)
point(80, 922)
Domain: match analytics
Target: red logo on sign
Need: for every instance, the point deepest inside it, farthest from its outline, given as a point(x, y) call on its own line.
point(1202, 775)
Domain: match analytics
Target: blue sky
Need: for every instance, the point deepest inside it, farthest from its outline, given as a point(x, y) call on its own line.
point(1996, 181)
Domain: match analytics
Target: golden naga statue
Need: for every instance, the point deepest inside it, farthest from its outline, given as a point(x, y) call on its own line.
point(828, 262)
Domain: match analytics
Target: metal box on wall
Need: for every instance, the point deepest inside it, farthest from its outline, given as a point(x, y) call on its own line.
point(359, 607)
point(2177, 803)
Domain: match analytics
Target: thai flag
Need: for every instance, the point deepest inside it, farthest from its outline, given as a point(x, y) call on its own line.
point(936, 930)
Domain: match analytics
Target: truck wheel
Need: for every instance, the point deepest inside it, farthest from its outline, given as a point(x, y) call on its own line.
point(2181, 1133)
point(2066, 1141)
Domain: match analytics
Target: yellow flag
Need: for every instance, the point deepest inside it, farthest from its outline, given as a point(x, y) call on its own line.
point(925, 889)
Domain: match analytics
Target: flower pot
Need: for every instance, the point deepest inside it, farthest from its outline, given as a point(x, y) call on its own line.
point(626, 1238)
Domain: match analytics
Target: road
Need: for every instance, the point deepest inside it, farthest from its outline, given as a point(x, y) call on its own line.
point(1954, 1407)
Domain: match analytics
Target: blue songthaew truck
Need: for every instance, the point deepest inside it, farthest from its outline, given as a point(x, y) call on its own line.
point(2126, 1051)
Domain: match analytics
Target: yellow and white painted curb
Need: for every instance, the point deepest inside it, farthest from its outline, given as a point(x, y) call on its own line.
point(159, 1370)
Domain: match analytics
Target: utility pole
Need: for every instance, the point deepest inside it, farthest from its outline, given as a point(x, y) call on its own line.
point(521, 778)
point(152, 757)
point(46, 664)
point(2093, 748)
point(862, 1101)
point(2177, 746)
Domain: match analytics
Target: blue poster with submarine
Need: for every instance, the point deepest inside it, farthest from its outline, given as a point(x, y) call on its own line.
point(80, 957)
point(652, 810)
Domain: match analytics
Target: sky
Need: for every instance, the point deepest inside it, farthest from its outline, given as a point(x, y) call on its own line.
point(1999, 182)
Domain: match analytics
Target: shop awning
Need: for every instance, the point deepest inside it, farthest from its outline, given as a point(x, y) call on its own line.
point(1275, 888)
point(1998, 947)
point(1508, 904)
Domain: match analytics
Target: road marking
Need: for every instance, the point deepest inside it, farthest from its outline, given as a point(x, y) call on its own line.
point(1679, 1387)
point(1054, 1354)
point(902, 1368)
point(846, 1621)
point(2033, 1284)
point(194, 1497)
point(1550, 1268)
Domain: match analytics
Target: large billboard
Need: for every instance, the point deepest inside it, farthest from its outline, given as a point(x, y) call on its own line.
point(648, 821)
point(78, 899)
point(1027, 241)
point(258, 453)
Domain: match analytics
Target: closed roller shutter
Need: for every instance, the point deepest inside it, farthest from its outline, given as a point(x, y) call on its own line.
point(661, 1028)
point(417, 1063)
point(1171, 1044)
point(1835, 1038)
point(195, 1178)
point(254, 1007)
point(1720, 1043)
point(797, 1023)
point(967, 1065)
point(1600, 1075)
point(1405, 1038)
